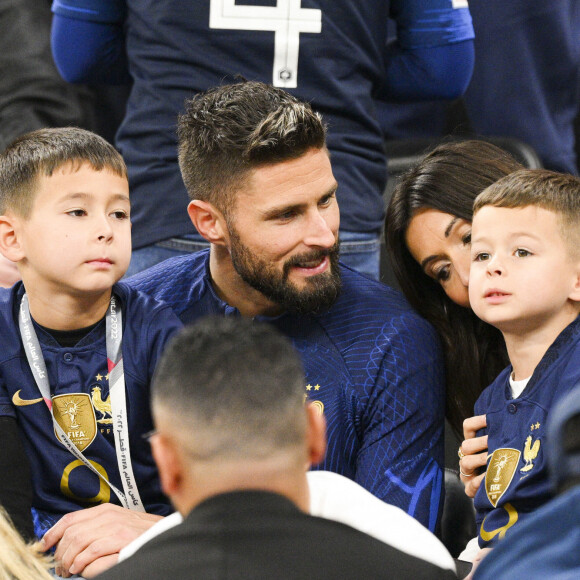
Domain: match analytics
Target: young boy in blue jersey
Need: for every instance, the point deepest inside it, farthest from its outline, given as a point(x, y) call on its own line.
point(525, 281)
point(78, 348)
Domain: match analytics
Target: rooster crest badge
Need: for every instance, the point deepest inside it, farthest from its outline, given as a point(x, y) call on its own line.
point(530, 453)
point(103, 407)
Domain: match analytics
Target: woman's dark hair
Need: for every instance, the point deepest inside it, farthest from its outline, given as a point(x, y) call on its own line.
point(448, 179)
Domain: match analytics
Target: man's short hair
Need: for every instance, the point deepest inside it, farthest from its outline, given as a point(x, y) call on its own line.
point(556, 192)
point(233, 388)
point(42, 152)
point(232, 129)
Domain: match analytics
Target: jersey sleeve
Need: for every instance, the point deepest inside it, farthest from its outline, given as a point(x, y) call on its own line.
point(104, 11)
point(88, 42)
point(428, 23)
point(401, 457)
point(163, 326)
point(433, 54)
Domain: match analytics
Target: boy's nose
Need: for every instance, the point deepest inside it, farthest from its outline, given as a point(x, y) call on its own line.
point(104, 232)
point(494, 267)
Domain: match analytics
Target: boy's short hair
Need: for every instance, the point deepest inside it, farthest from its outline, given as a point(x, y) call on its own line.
point(43, 151)
point(229, 130)
point(556, 192)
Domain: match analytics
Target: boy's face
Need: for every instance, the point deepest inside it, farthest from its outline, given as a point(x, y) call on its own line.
point(78, 235)
point(523, 275)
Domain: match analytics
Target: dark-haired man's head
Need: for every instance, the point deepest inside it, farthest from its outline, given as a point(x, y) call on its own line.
point(255, 163)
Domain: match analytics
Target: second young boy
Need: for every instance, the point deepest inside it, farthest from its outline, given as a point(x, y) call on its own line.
point(525, 280)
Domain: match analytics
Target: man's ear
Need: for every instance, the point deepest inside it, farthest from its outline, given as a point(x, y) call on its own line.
point(10, 245)
point(169, 463)
point(316, 435)
point(208, 221)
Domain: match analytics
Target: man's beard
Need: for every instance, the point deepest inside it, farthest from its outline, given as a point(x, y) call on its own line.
point(319, 292)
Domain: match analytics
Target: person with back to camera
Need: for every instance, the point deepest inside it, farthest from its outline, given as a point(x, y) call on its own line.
point(79, 349)
point(428, 234)
point(525, 281)
point(233, 439)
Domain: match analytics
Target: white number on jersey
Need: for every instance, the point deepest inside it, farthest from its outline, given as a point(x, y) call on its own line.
point(287, 20)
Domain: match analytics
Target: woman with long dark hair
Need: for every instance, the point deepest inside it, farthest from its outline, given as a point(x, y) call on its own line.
point(428, 234)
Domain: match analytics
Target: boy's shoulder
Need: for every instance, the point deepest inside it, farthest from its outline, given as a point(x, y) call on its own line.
point(9, 304)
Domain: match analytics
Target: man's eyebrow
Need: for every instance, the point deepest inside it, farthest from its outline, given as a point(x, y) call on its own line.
point(276, 211)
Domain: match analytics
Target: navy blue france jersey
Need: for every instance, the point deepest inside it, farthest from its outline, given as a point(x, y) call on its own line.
point(78, 378)
point(516, 481)
point(373, 367)
point(330, 53)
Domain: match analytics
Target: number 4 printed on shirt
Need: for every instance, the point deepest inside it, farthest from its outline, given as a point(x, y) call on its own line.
point(287, 20)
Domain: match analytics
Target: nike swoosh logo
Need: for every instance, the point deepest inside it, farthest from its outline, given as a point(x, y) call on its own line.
point(23, 402)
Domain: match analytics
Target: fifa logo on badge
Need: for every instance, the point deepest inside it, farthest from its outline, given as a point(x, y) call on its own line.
point(76, 416)
point(501, 468)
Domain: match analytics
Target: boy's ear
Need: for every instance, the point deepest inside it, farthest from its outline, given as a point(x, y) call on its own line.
point(10, 245)
point(208, 221)
point(575, 294)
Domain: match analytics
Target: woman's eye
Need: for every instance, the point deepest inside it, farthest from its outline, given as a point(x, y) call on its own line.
point(466, 239)
point(442, 275)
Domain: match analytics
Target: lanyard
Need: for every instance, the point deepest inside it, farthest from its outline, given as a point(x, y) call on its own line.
point(113, 320)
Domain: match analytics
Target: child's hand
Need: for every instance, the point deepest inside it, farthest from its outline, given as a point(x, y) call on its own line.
point(472, 454)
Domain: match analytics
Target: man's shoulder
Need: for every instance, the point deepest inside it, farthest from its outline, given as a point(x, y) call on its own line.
point(366, 305)
point(178, 282)
point(262, 524)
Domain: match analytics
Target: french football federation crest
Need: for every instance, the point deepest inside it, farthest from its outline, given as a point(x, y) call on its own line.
point(103, 407)
point(76, 416)
point(530, 453)
point(500, 472)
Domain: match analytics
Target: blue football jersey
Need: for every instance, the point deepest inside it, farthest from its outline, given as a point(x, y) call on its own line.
point(78, 378)
point(373, 367)
point(330, 53)
point(516, 481)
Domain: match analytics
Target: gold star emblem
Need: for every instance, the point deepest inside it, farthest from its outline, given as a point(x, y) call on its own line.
point(107, 376)
point(308, 387)
point(99, 377)
point(316, 387)
point(537, 425)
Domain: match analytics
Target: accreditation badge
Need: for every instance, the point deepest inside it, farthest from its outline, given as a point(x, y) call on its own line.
point(76, 416)
point(501, 469)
